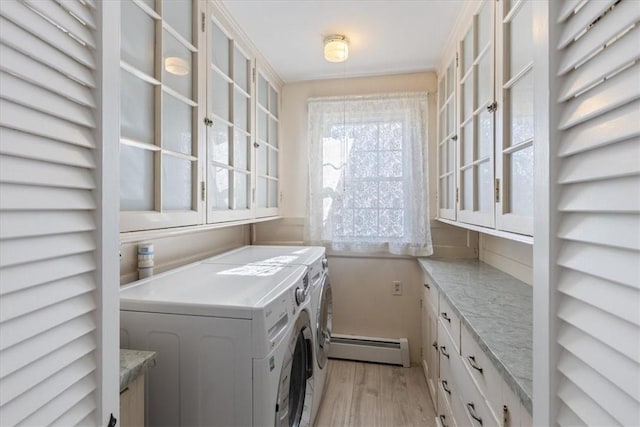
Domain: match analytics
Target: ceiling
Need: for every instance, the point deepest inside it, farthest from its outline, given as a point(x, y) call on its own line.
point(386, 36)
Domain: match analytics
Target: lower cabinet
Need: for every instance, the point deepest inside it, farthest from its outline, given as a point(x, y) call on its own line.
point(465, 386)
point(430, 359)
point(132, 404)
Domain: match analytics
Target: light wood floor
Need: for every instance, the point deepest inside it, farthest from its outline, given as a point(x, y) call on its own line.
point(375, 395)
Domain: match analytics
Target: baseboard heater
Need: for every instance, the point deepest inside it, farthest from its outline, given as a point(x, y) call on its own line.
point(370, 349)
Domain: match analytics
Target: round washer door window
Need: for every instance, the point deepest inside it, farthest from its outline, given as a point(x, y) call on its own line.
point(297, 371)
point(323, 325)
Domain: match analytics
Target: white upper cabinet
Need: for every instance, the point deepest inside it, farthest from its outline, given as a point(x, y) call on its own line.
point(493, 158)
point(447, 136)
point(267, 147)
point(229, 126)
point(514, 132)
point(160, 169)
point(476, 121)
point(191, 152)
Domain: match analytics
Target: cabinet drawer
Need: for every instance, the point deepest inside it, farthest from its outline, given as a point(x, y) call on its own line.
point(484, 374)
point(451, 321)
point(474, 404)
point(444, 417)
point(513, 414)
point(431, 292)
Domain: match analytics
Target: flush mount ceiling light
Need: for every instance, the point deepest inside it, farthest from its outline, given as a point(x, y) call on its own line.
point(336, 48)
point(177, 66)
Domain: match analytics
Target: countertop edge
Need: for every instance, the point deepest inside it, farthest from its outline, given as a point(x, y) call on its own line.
point(503, 370)
point(134, 363)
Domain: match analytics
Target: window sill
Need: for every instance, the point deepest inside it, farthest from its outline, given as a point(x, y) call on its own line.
point(375, 255)
point(138, 236)
point(490, 231)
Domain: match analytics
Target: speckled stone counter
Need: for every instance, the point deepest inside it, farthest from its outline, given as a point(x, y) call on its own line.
point(497, 309)
point(134, 363)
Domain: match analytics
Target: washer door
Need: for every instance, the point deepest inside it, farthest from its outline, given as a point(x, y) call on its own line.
point(296, 379)
point(323, 322)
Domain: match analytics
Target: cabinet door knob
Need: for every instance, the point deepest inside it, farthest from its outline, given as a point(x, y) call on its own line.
point(445, 316)
point(443, 420)
point(471, 409)
point(435, 345)
point(426, 285)
point(443, 350)
point(256, 145)
point(208, 121)
point(474, 364)
point(454, 138)
point(492, 107)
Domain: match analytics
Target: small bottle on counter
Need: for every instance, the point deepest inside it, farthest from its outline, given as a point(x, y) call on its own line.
point(145, 260)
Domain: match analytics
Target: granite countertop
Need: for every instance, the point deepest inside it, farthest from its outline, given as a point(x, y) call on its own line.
point(497, 309)
point(134, 363)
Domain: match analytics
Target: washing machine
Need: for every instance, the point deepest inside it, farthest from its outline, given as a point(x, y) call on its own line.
point(313, 257)
point(234, 344)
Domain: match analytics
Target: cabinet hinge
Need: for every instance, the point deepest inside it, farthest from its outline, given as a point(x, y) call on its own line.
point(253, 74)
point(420, 303)
point(203, 20)
point(457, 60)
point(253, 196)
point(457, 195)
point(497, 190)
point(203, 191)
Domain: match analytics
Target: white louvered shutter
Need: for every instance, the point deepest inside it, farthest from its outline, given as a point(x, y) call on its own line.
point(52, 359)
point(598, 215)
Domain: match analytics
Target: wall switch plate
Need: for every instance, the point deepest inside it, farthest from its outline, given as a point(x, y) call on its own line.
point(397, 287)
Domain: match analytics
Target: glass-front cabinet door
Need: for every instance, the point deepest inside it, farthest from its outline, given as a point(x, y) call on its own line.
point(160, 171)
point(266, 147)
point(229, 126)
point(514, 131)
point(477, 108)
point(447, 137)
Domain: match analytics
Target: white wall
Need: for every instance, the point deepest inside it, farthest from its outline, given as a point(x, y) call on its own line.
point(514, 258)
point(174, 250)
point(362, 286)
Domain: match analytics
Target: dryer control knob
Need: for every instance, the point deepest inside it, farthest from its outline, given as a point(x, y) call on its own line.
point(301, 295)
point(325, 263)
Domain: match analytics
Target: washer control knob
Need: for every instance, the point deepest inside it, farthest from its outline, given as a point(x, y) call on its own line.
point(301, 295)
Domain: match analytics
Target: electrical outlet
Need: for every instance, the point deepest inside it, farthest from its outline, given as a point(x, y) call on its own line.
point(397, 287)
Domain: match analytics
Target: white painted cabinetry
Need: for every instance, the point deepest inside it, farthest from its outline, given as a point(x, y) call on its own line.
point(199, 120)
point(493, 123)
point(465, 386)
point(430, 359)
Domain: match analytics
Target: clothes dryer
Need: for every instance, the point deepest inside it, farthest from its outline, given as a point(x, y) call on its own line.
point(313, 257)
point(234, 344)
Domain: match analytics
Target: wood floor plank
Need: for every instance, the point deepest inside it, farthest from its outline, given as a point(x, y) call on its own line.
point(335, 408)
point(374, 395)
point(365, 406)
point(424, 413)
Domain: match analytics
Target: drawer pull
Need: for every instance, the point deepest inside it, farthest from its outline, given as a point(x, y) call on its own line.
point(445, 317)
point(471, 408)
point(443, 421)
point(445, 386)
point(426, 285)
point(443, 350)
point(435, 345)
point(473, 363)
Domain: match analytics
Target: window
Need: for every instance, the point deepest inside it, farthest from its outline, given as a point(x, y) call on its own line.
point(367, 188)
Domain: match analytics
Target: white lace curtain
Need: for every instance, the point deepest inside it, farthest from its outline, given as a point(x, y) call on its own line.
point(367, 174)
